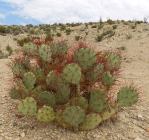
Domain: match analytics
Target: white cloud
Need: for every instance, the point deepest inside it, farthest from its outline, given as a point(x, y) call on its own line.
point(50, 11)
point(2, 16)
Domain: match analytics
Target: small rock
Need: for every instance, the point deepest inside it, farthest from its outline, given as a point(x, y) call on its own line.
point(22, 134)
point(138, 138)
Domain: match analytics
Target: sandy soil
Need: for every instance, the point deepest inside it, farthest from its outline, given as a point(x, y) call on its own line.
point(131, 124)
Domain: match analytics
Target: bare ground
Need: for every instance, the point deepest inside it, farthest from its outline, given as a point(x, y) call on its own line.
point(131, 123)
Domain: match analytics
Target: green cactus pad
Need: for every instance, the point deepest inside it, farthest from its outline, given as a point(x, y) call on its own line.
point(39, 73)
point(53, 80)
point(63, 93)
point(47, 98)
point(97, 101)
point(107, 114)
point(91, 121)
point(80, 101)
point(94, 74)
point(29, 80)
point(107, 79)
point(73, 115)
point(113, 60)
point(45, 53)
point(28, 106)
point(30, 48)
point(85, 57)
point(72, 73)
point(14, 93)
point(59, 48)
point(46, 114)
point(18, 69)
point(127, 96)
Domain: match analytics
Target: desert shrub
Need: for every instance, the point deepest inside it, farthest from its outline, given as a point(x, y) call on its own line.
point(99, 38)
point(57, 82)
point(77, 37)
point(110, 21)
point(68, 31)
point(58, 34)
point(94, 26)
point(9, 50)
point(114, 27)
point(128, 36)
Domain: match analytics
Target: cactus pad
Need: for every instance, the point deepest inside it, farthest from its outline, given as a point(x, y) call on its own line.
point(30, 48)
point(127, 96)
point(80, 101)
point(73, 115)
point(28, 106)
point(45, 53)
point(46, 114)
point(91, 121)
point(85, 57)
point(97, 101)
point(62, 94)
point(72, 73)
point(95, 73)
point(47, 98)
point(107, 79)
point(29, 80)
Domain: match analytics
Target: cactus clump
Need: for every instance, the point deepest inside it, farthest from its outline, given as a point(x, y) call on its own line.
point(46, 114)
point(28, 106)
point(68, 86)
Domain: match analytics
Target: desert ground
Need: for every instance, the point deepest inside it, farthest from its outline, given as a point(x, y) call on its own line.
point(131, 123)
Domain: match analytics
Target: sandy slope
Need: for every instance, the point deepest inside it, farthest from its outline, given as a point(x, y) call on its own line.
point(132, 123)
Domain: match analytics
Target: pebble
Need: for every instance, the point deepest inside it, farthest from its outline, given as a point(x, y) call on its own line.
point(22, 134)
point(138, 138)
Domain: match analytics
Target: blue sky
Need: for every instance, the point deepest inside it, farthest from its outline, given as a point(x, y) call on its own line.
point(51, 11)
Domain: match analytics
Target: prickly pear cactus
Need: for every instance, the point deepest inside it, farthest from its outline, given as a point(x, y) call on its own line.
point(68, 86)
point(46, 114)
point(28, 106)
point(45, 53)
point(63, 93)
point(107, 79)
point(47, 98)
point(80, 101)
point(59, 48)
point(85, 57)
point(53, 80)
point(30, 49)
point(72, 73)
point(29, 80)
point(97, 102)
point(91, 121)
point(95, 73)
point(127, 96)
point(113, 61)
point(73, 116)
